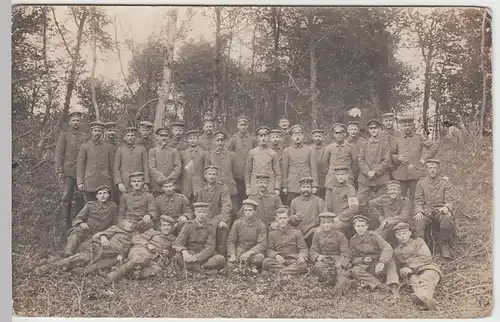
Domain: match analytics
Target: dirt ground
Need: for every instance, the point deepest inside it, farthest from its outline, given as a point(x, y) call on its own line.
point(465, 291)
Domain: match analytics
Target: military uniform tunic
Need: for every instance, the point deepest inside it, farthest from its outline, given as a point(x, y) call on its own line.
point(148, 143)
point(393, 211)
point(262, 161)
point(179, 145)
point(130, 159)
point(141, 203)
point(298, 162)
point(241, 144)
point(321, 166)
point(267, 205)
point(193, 163)
point(164, 162)
point(338, 201)
point(343, 154)
point(67, 149)
point(175, 206)
point(248, 235)
point(94, 167)
point(310, 208)
point(290, 244)
point(226, 162)
point(206, 142)
point(98, 216)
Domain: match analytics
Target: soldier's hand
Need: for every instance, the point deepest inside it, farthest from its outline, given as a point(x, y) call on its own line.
point(405, 271)
point(371, 174)
point(298, 216)
point(273, 226)
point(105, 242)
point(285, 191)
point(232, 258)
point(146, 187)
point(280, 259)
point(315, 190)
point(186, 256)
point(320, 258)
point(403, 159)
point(222, 224)
point(146, 219)
point(119, 258)
point(367, 259)
point(151, 247)
point(80, 187)
point(244, 257)
point(383, 224)
point(443, 210)
point(379, 268)
point(84, 226)
point(122, 188)
point(301, 260)
point(182, 219)
point(418, 216)
point(248, 192)
point(277, 191)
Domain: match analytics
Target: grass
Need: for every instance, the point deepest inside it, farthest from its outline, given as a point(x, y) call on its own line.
point(465, 292)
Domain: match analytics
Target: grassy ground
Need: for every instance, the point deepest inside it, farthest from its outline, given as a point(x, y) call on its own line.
point(465, 292)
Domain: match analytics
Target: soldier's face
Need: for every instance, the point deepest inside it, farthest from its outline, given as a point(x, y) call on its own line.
point(200, 215)
point(96, 133)
point(297, 137)
point(263, 138)
point(339, 136)
point(353, 131)
point(374, 130)
point(275, 139)
point(262, 184)
point(403, 236)
point(130, 138)
point(219, 143)
point(211, 176)
point(137, 183)
point(318, 138)
point(177, 131)
point(102, 195)
point(164, 136)
point(248, 211)
point(360, 227)
point(306, 189)
point(127, 224)
point(388, 122)
point(208, 128)
point(111, 133)
point(284, 123)
point(341, 176)
point(326, 224)
point(192, 140)
point(394, 192)
point(408, 127)
point(432, 169)
point(168, 188)
point(282, 219)
point(74, 121)
point(166, 227)
point(243, 127)
point(145, 131)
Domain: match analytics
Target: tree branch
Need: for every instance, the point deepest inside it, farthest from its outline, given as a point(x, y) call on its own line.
point(61, 33)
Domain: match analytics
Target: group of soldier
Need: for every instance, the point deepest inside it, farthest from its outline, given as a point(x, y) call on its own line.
point(358, 207)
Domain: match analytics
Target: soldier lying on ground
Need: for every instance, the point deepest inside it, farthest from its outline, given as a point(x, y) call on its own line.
point(140, 202)
point(146, 248)
point(107, 248)
point(331, 254)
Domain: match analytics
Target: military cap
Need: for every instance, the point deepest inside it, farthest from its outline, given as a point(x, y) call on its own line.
point(262, 129)
point(338, 126)
point(242, 118)
point(401, 226)
point(282, 117)
point(262, 176)
point(167, 219)
point(327, 215)
point(393, 183)
point(250, 202)
point(145, 124)
point(340, 167)
point(436, 161)
point(130, 216)
point(220, 133)
point(360, 217)
point(208, 118)
point(306, 179)
point(210, 167)
point(282, 209)
point(356, 123)
point(297, 128)
point(406, 118)
point(191, 132)
point(169, 180)
point(388, 115)
point(102, 187)
point(374, 121)
point(178, 124)
point(136, 174)
point(318, 131)
point(201, 205)
point(130, 129)
point(96, 124)
point(162, 128)
point(75, 111)
point(110, 125)
point(275, 131)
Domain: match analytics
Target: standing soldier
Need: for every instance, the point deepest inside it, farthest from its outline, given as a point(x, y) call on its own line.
point(389, 133)
point(298, 161)
point(409, 156)
point(241, 143)
point(434, 203)
point(193, 162)
point(262, 160)
point(139, 202)
point(283, 124)
point(355, 139)
point(340, 152)
point(164, 162)
point(374, 163)
point(129, 158)
point(206, 140)
point(226, 162)
point(174, 205)
point(66, 155)
point(319, 150)
point(95, 166)
point(219, 202)
point(178, 140)
point(112, 139)
point(145, 132)
point(277, 146)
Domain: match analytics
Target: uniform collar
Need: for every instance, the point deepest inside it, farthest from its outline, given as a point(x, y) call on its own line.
point(262, 195)
point(319, 147)
point(409, 135)
point(251, 221)
point(304, 198)
point(286, 231)
point(351, 139)
point(97, 142)
point(138, 192)
point(194, 149)
point(365, 238)
point(341, 144)
point(277, 147)
point(169, 197)
point(223, 151)
point(130, 146)
point(243, 135)
point(375, 140)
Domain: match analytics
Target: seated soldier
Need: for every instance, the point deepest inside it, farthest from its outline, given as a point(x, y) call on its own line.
point(389, 209)
point(286, 248)
point(331, 254)
point(107, 248)
point(415, 261)
point(147, 247)
point(247, 241)
point(195, 245)
point(173, 204)
point(372, 258)
point(341, 200)
point(140, 202)
point(94, 217)
point(433, 203)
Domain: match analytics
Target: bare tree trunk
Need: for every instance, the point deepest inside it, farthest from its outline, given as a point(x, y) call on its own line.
point(427, 92)
point(217, 62)
point(164, 91)
point(94, 63)
point(313, 67)
point(276, 36)
point(120, 62)
point(483, 71)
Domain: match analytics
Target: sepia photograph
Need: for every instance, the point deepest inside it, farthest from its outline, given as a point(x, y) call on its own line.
point(298, 162)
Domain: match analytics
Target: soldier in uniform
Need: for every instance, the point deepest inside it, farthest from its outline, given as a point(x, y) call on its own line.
point(225, 160)
point(65, 159)
point(112, 139)
point(193, 162)
point(217, 196)
point(139, 202)
point(389, 209)
point(241, 143)
point(145, 135)
point(318, 148)
point(107, 248)
point(434, 203)
point(286, 248)
point(283, 124)
point(355, 139)
point(95, 165)
point(409, 156)
point(146, 249)
point(164, 162)
point(195, 245)
point(277, 146)
point(206, 140)
point(415, 261)
point(330, 254)
point(342, 201)
point(129, 158)
point(340, 152)
point(374, 162)
point(247, 241)
point(94, 217)
point(298, 161)
point(389, 133)
point(178, 142)
point(262, 160)
point(174, 205)
point(372, 258)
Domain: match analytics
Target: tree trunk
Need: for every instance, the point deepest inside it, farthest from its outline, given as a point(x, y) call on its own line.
point(483, 71)
point(314, 77)
point(427, 92)
point(164, 90)
point(94, 63)
point(217, 62)
point(276, 36)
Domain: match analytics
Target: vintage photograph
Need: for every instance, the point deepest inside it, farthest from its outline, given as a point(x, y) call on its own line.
point(252, 162)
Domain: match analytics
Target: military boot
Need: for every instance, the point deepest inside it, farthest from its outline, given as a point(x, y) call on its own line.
point(43, 269)
point(71, 246)
point(120, 272)
point(444, 243)
point(66, 211)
